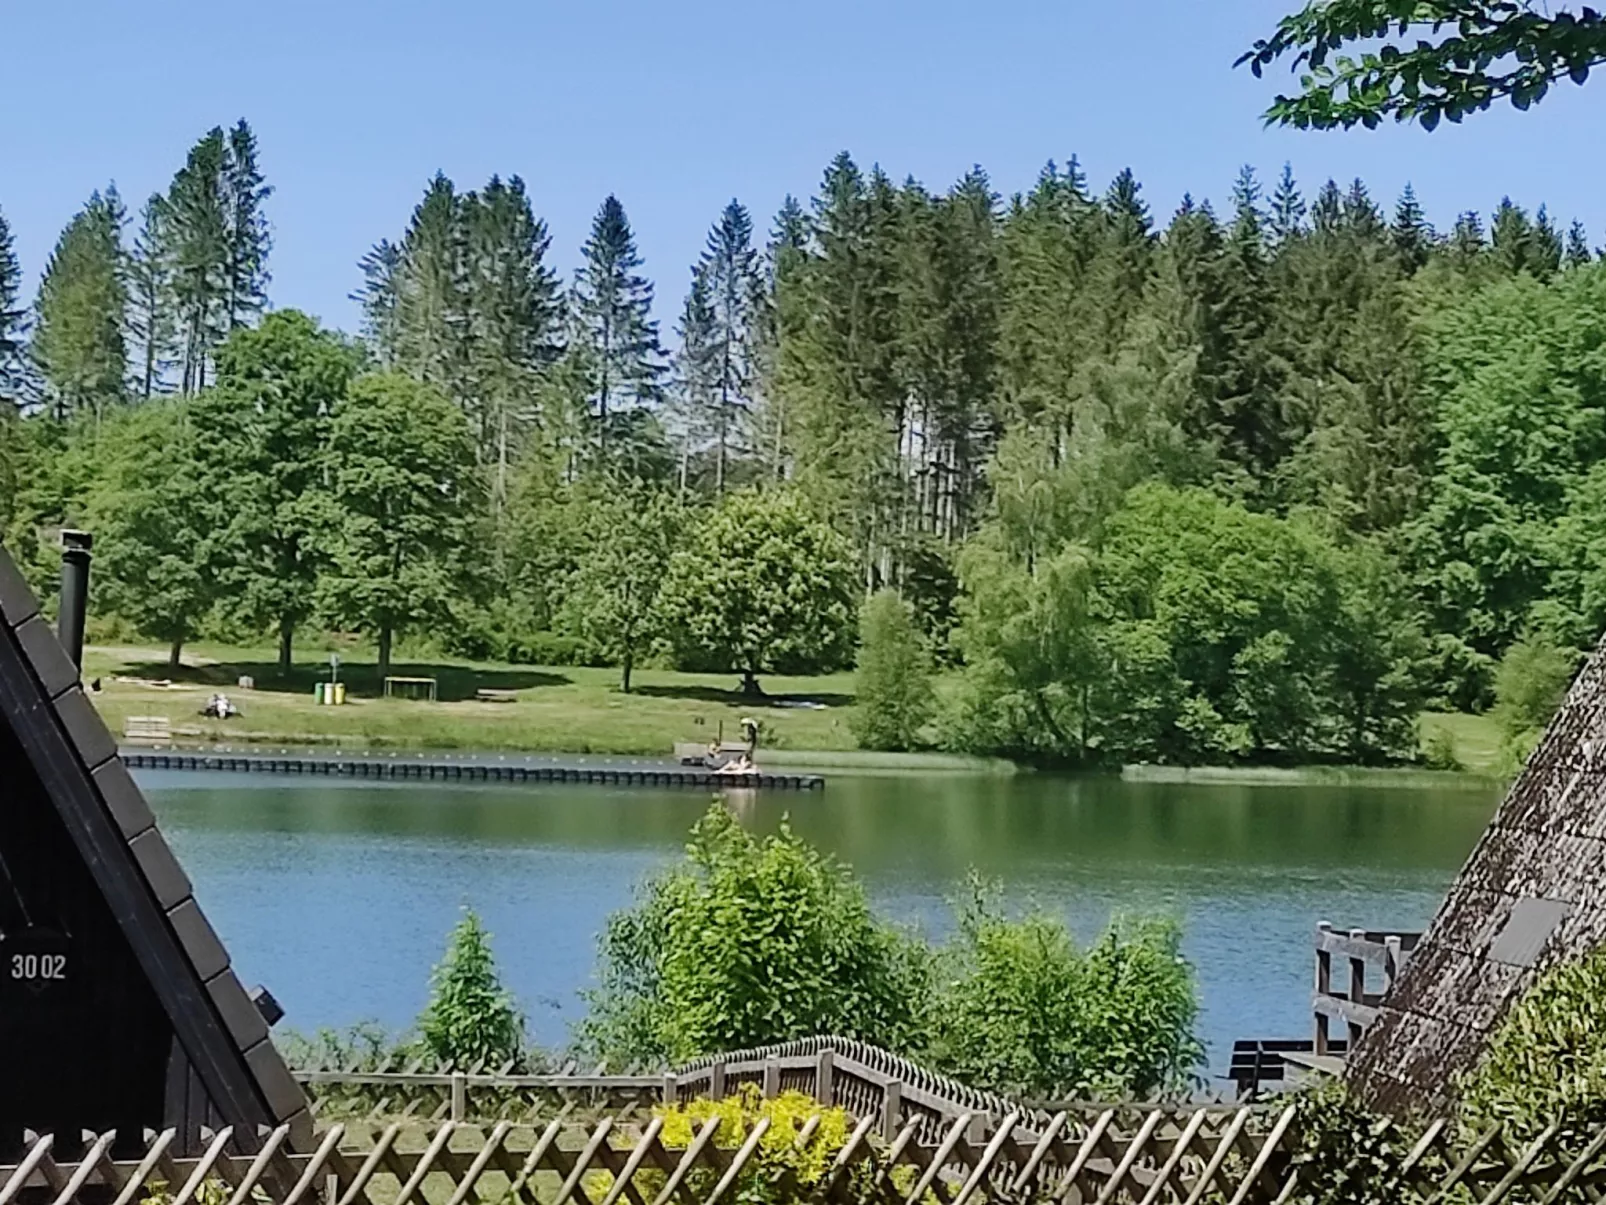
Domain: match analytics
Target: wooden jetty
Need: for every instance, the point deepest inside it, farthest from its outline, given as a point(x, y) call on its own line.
point(449, 769)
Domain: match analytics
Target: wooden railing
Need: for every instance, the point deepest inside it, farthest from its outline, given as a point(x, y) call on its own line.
point(1231, 1156)
point(1354, 1007)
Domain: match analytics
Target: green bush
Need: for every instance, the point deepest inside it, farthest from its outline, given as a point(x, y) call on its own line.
point(1530, 684)
point(751, 941)
point(1023, 1011)
point(1546, 1062)
point(470, 1018)
point(894, 679)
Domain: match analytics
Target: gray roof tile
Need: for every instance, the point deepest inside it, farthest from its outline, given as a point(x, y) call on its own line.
point(17, 602)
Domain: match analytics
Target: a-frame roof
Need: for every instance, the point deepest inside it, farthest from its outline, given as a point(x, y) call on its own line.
point(1532, 894)
point(66, 748)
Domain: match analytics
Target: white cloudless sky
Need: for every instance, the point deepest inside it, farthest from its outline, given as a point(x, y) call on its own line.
point(679, 105)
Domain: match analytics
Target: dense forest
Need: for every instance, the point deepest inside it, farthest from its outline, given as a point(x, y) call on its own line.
point(1250, 482)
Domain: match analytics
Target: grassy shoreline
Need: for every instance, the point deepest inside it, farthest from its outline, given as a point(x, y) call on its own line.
point(580, 710)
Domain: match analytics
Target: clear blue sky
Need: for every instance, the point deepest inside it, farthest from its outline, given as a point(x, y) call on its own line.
point(678, 106)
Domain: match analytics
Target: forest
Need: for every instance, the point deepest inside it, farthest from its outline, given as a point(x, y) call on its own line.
point(1071, 481)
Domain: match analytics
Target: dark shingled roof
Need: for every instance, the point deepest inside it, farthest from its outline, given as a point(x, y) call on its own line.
point(1533, 893)
point(74, 758)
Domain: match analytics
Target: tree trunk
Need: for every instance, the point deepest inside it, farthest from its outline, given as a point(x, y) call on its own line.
point(750, 686)
point(287, 634)
point(630, 664)
point(175, 653)
point(385, 636)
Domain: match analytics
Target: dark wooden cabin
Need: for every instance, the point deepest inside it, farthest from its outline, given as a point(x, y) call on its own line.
point(1533, 893)
point(118, 1007)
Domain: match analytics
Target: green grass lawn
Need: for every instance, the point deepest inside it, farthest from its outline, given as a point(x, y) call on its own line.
point(1476, 739)
point(566, 709)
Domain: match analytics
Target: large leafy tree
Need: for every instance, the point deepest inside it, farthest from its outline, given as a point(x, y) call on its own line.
point(1425, 60)
point(77, 345)
point(628, 540)
point(611, 311)
point(155, 555)
point(406, 492)
point(762, 586)
point(263, 434)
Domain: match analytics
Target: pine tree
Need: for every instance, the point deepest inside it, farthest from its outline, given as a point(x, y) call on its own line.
point(612, 313)
point(696, 372)
point(1467, 243)
point(1413, 236)
point(430, 317)
point(246, 238)
point(513, 314)
point(1122, 272)
point(730, 266)
point(1287, 218)
point(377, 297)
point(152, 317)
point(13, 322)
point(1578, 252)
point(781, 317)
point(1522, 244)
point(197, 225)
point(79, 319)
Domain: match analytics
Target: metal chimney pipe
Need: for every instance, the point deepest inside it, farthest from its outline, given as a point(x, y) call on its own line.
point(75, 546)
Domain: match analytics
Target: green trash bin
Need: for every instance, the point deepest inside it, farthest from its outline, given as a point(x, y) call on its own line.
point(319, 692)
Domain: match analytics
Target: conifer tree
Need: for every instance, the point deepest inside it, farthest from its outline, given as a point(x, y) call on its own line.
point(1578, 252)
point(13, 321)
point(152, 317)
point(1413, 236)
point(695, 372)
point(1467, 243)
point(1287, 218)
point(612, 314)
point(1521, 244)
point(513, 316)
point(78, 346)
point(730, 267)
point(430, 314)
point(197, 225)
point(1122, 271)
point(377, 298)
point(246, 238)
point(782, 314)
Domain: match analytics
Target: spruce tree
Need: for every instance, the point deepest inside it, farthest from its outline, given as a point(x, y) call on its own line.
point(513, 317)
point(79, 319)
point(1122, 271)
point(197, 226)
point(1413, 236)
point(152, 316)
point(730, 267)
point(1521, 244)
point(696, 372)
point(1578, 252)
point(246, 238)
point(376, 297)
point(13, 321)
point(1287, 218)
point(431, 304)
point(612, 314)
point(1468, 245)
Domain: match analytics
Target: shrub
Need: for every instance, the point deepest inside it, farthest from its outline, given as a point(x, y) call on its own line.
point(1529, 686)
point(470, 1018)
point(750, 942)
point(894, 680)
point(1024, 1012)
point(1547, 1060)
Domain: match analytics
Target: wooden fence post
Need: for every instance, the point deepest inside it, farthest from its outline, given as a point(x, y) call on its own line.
point(824, 1078)
point(716, 1081)
point(1324, 985)
point(459, 1096)
point(772, 1078)
point(671, 1089)
point(1393, 957)
point(891, 1108)
point(1357, 985)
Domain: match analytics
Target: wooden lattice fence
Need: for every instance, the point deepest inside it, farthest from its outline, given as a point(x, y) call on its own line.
point(1230, 1156)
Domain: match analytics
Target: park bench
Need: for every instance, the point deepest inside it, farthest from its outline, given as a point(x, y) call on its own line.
point(486, 695)
point(155, 729)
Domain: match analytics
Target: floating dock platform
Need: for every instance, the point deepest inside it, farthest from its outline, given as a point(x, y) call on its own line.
point(427, 767)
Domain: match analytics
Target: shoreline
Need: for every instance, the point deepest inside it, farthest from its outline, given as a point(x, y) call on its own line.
point(1407, 777)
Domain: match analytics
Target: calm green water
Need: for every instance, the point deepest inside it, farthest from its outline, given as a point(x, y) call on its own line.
point(338, 896)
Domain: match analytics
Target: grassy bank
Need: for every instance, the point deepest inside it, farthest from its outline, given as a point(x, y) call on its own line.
point(567, 709)
point(580, 710)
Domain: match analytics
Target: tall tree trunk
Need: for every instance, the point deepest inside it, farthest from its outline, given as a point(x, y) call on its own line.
point(630, 664)
point(385, 636)
point(175, 653)
point(287, 633)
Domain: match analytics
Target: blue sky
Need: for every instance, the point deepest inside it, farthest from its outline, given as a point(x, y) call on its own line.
point(678, 106)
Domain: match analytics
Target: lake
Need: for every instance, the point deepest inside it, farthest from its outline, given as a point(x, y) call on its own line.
point(338, 896)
